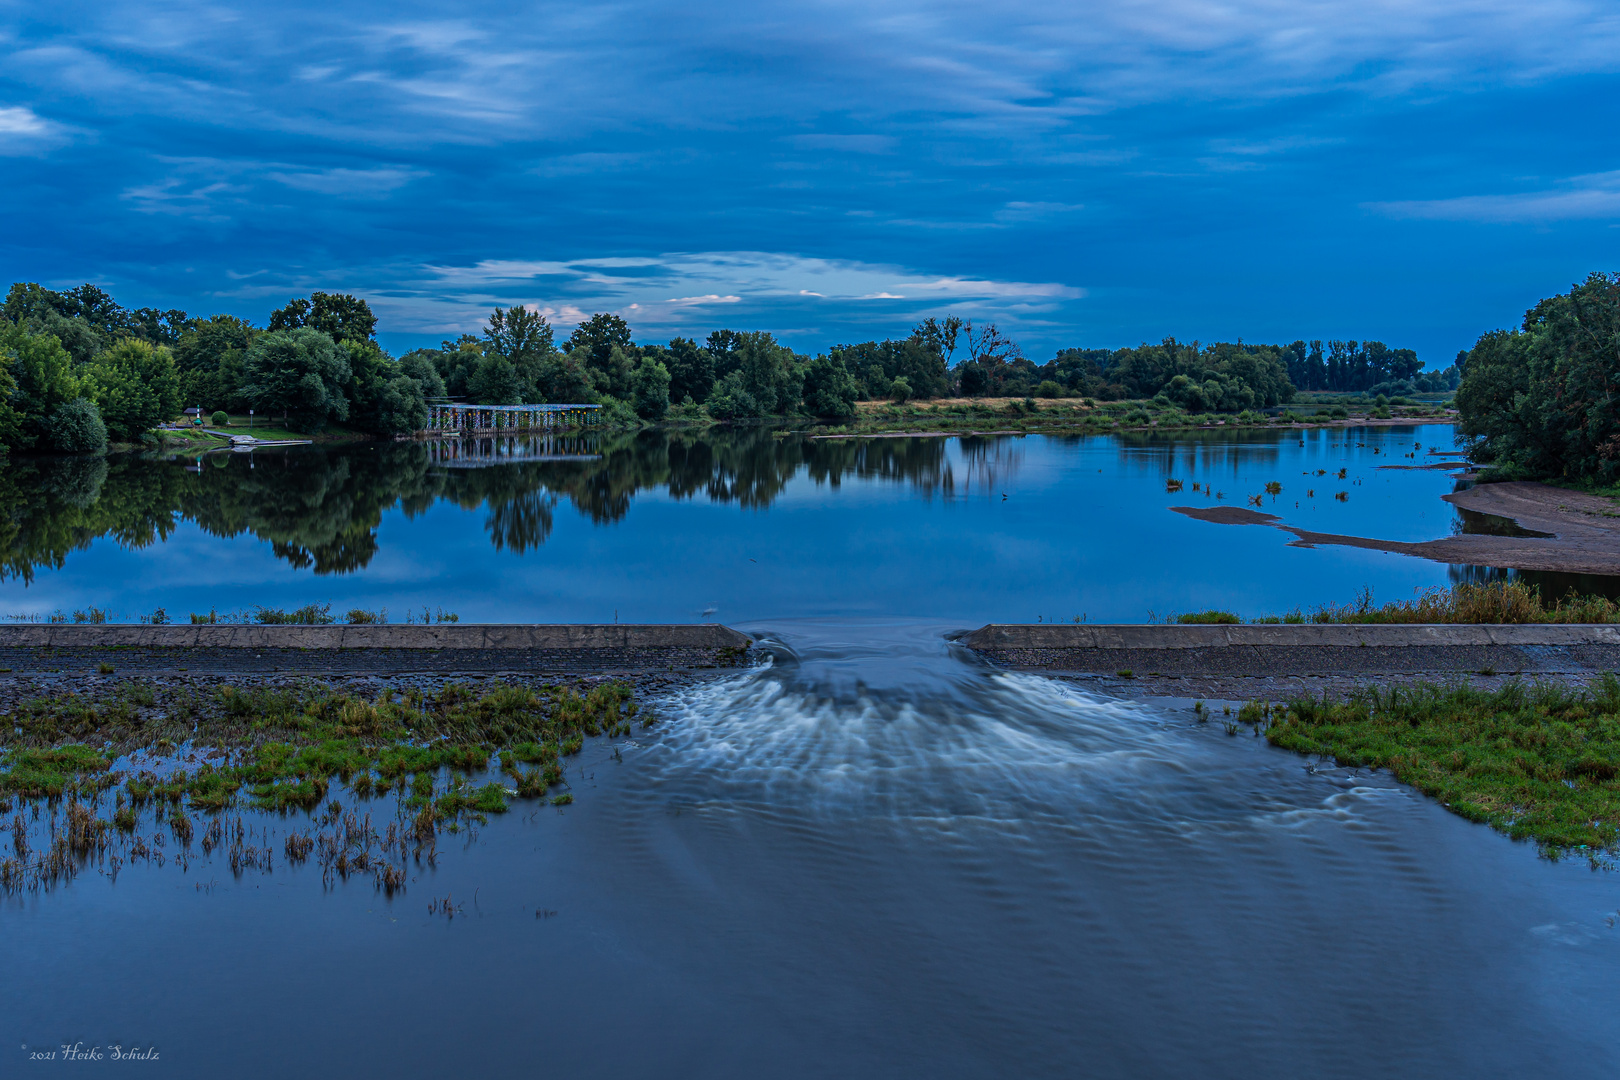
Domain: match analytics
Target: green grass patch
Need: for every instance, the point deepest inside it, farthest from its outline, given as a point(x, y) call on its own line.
point(1197, 617)
point(1537, 762)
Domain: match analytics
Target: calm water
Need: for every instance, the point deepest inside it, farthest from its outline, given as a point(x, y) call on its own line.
point(733, 527)
point(872, 856)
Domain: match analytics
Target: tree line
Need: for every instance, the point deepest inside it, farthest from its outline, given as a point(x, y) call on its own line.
point(1543, 400)
point(80, 370)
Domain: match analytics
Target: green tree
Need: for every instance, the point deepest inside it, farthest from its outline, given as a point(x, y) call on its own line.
point(562, 380)
point(300, 374)
point(730, 399)
point(649, 384)
point(829, 389)
point(524, 338)
point(1546, 399)
point(418, 364)
point(136, 386)
point(77, 428)
point(691, 370)
point(456, 361)
point(43, 379)
point(338, 315)
point(382, 398)
point(210, 357)
point(495, 381)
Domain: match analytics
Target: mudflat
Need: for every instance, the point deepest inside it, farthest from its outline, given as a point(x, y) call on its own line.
point(1584, 530)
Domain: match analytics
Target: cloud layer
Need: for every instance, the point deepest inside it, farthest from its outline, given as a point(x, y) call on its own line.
point(1095, 174)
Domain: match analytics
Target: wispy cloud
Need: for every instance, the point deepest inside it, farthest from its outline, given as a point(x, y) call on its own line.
point(23, 131)
point(1579, 198)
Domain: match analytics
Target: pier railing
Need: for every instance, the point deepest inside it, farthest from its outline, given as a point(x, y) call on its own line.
point(456, 419)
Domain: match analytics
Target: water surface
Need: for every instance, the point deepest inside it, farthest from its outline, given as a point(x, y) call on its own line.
point(875, 857)
point(730, 526)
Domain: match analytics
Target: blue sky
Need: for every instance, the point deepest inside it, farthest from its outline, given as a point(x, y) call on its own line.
point(1094, 175)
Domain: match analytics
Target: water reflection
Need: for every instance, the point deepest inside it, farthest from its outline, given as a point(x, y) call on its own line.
point(319, 508)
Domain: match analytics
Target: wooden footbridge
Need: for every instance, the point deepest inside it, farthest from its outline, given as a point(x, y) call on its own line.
point(451, 420)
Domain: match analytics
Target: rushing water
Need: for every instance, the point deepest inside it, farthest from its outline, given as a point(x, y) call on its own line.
point(729, 526)
point(874, 855)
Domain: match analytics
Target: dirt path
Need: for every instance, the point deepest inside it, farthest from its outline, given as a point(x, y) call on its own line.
point(1585, 530)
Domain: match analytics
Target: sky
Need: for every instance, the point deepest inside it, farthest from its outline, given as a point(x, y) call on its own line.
point(1081, 174)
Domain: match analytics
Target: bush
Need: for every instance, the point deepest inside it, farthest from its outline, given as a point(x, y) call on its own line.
point(900, 390)
point(76, 428)
point(219, 419)
point(1049, 389)
point(1339, 413)
point(1197, 617)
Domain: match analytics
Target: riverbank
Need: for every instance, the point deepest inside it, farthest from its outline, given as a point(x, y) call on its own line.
point(1578, 532)
point(1058, 416)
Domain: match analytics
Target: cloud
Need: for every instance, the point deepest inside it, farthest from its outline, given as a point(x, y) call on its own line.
point(349, 183)
point(1596, 196)
point(23, 131)
point(669, 291)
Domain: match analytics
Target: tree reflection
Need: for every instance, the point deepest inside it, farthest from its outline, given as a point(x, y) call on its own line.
point(319, 508)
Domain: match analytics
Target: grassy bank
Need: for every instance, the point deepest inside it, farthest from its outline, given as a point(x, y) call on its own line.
point(1085, 415)
point(1492, 602)
point(282, 749)
point(1535, 762)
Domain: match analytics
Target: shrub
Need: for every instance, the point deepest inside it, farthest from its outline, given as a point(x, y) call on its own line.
point(219, 419)
point(1339, 413)
point(900, 390)
point(1049, 389)
point(1200, 617)
point(76, 428)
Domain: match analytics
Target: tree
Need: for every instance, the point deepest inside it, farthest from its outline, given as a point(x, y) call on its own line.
point(382, 398)
point(136, 386)
point(691, 369)
point(649, 385)
point(730, 399)
point(300, 374)
point(338, 315)
point(939, 335)
point(495, 381)
point(209, 356)
point(418, 364)
point(1545, 399)
point(829, 389)
point(456, 361)
point(43, 378)
point(602, 344)
point(563, 380)
point(77, 428)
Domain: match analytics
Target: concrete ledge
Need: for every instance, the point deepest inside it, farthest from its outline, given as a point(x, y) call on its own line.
point(996, 637)
point(550, 637)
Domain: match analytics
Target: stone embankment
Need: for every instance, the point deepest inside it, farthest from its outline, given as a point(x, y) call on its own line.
point(1277, 661)
point(469, 648)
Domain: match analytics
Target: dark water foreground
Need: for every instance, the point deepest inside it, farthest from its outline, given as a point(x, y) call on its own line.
point(877, 857)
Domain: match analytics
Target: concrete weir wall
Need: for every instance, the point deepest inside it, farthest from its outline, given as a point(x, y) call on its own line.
point(443, 636)
point(458, 649)
point(1220, 659)
point(1105, 636)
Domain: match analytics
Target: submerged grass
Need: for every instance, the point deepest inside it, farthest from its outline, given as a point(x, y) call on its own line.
point(1537, 762)
point(285, 747)
point(284, 751)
